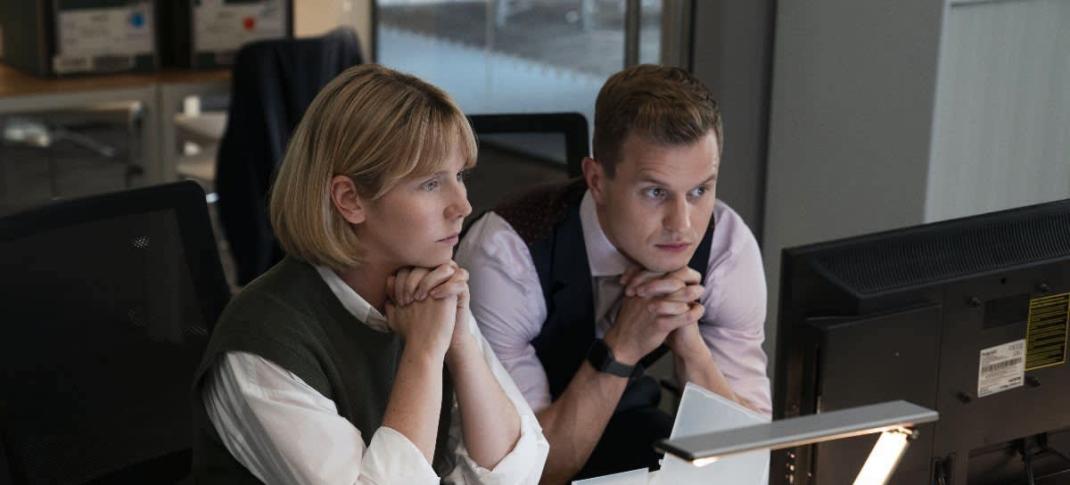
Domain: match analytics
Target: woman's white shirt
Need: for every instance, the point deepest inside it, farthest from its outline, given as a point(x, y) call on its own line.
point(284, 431)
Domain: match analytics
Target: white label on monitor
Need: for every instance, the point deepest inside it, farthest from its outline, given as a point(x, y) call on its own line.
point(115, 31)
point(1001, 368)
point(218, 26)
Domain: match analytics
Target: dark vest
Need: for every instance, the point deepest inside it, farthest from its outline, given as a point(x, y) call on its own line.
point(290, 316)
point(548, 220)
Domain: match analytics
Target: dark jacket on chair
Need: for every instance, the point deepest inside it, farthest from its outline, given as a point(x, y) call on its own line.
point(273, 83)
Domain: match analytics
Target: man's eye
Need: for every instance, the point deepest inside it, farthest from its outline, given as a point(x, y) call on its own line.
point(699, 191)
point(655, 193)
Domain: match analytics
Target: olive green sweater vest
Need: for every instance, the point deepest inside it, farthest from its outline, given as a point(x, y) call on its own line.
point(290, 316)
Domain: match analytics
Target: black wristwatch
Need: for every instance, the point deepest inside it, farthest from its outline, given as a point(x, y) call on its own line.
point(601, 358)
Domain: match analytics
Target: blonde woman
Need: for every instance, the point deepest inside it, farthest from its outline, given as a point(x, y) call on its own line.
point(356, 359)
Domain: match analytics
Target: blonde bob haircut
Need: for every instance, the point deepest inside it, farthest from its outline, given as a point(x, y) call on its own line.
point(375, 125)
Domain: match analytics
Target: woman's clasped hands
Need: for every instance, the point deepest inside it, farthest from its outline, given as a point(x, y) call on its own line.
point(427, 307)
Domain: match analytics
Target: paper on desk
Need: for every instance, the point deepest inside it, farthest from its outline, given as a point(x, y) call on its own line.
point(702, 411)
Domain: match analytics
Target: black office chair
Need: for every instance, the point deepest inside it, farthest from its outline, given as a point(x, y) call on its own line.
point(106, 304)
point(5, 472)
point(536, 148)
point(273, 83)
point(571, 126)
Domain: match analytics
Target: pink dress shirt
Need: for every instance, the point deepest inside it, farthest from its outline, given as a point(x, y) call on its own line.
point(508, 304)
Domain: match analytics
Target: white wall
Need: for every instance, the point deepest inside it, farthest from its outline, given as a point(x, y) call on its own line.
point(892, 114)
point(850, 122)
point(316, 17)
point(732, 55)
point(1002, 131)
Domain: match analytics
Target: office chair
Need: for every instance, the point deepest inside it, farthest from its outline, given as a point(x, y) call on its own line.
point(106, 304)
point(526, 157)
point(273, 83)
point(572, 126)
point(5, 473)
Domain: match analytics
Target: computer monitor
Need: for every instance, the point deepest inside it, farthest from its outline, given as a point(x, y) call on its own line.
point(968, 317)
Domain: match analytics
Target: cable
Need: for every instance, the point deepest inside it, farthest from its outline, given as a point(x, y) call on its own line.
point(1027, 458)
point(940, 472)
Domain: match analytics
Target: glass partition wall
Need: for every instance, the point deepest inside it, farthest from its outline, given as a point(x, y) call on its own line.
point(519, 56)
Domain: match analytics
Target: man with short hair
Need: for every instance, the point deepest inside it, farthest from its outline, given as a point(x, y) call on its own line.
point(577, 287)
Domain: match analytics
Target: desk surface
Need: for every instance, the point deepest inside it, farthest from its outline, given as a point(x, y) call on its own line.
point(15, 83)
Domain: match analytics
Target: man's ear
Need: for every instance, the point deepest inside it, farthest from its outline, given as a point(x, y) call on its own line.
point(595, 175)
point(347, 200)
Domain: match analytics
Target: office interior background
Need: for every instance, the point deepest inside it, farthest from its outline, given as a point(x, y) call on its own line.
point(842, 117)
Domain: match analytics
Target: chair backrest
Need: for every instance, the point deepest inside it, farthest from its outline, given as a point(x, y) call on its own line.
point(519, 151)
point(5, 472)
point(273, 83)
point(106, 304)
point(571, 126)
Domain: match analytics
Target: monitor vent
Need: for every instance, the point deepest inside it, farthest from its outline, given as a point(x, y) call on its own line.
point(945, 251)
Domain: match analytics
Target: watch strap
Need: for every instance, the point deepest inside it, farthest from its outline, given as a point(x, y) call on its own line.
point(600, 356)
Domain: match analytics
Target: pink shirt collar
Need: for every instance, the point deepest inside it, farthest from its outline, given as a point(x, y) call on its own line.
point(602, 256)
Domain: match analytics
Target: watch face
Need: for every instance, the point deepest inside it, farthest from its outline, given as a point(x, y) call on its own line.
point(598, 355)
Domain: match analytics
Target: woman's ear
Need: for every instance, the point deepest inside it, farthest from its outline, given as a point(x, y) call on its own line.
point(346, 200)
point(595, 175)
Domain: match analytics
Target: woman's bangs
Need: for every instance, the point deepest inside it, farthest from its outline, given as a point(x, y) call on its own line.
point(442, 138)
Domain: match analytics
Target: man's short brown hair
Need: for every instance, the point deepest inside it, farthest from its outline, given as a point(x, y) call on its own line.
point(662, 104)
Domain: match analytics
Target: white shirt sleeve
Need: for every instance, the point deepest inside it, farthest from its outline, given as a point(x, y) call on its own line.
point(523, 464)
point(507, 301)
point(284, 431)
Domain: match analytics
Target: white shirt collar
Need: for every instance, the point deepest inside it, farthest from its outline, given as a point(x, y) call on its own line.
point(352, 301)
point(602, 256)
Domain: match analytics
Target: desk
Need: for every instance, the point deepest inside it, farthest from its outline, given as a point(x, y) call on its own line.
point(159, 93)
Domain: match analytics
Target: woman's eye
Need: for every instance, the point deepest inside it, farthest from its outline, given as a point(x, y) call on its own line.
point(463, 175)
point(430, 185)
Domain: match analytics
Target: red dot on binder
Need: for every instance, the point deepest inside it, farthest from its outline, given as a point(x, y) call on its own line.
point(249, 23)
